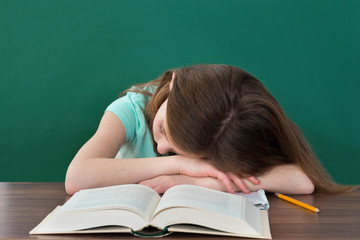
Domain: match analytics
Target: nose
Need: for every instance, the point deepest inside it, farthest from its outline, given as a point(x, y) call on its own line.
point(163, 146)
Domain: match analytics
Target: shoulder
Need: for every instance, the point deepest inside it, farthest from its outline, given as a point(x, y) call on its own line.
point(130, 110)
point(135, 97)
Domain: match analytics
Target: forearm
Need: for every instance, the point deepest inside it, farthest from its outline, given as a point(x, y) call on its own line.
point(99, 172)
point(288, 179)
point(95, 165)
point(162, 183)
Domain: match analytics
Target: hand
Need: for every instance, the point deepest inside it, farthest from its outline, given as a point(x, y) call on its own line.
point(239, 182)
point(198, 168)
point(162, 183)
point(194, 167)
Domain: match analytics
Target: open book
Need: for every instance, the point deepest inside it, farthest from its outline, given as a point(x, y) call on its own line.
point(137, 209)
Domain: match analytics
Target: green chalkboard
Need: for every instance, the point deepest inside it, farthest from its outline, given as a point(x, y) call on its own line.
point(63, 62)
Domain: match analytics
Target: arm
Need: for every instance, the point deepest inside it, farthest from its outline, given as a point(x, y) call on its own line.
point(288, 179)
point(94, 165)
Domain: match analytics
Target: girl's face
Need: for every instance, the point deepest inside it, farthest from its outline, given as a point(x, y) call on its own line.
point(161, 136)
point(164, 146)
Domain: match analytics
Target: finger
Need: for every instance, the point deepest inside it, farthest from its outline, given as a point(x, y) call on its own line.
point(145, 183)
point(239, 182)
point(226, 180)
point(253, 180)
point(160, 189)
point(142, 183)
point(151, 183)
point(214, 172)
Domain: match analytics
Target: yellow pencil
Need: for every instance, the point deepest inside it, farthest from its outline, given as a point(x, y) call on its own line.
point(296, 202)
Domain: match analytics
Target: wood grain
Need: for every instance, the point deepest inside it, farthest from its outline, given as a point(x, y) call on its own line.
point(24, 205)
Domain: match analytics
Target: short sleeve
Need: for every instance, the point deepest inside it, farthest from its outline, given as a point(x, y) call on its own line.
point(125, 110)
point(130, 110)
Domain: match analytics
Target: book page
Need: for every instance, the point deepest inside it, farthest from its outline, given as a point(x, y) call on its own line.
point(266, 233)
point(89, 222)
point(208, 208)
point(138, 198)
point(201, 198)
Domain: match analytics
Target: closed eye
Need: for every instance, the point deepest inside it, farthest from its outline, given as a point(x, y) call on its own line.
point(162, 130)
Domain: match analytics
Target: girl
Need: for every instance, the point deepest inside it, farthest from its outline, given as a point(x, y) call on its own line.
point(210, 125)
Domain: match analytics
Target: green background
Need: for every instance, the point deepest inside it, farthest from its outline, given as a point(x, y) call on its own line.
point(63, 62)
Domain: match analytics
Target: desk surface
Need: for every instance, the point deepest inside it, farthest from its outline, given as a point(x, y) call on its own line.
point(24, 205)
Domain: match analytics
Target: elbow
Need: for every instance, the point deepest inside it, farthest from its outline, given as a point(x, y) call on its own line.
point(72, 180)
point(80, 176)
point(70, 188)
point(305, 185)
point(306, 188)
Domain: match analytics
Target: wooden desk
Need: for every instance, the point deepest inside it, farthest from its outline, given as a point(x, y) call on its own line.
point(24, 205)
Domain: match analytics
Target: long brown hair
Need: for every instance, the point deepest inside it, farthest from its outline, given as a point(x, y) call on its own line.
point(227, 115)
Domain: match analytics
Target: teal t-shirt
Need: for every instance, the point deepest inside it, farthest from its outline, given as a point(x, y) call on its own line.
point(130, 110)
